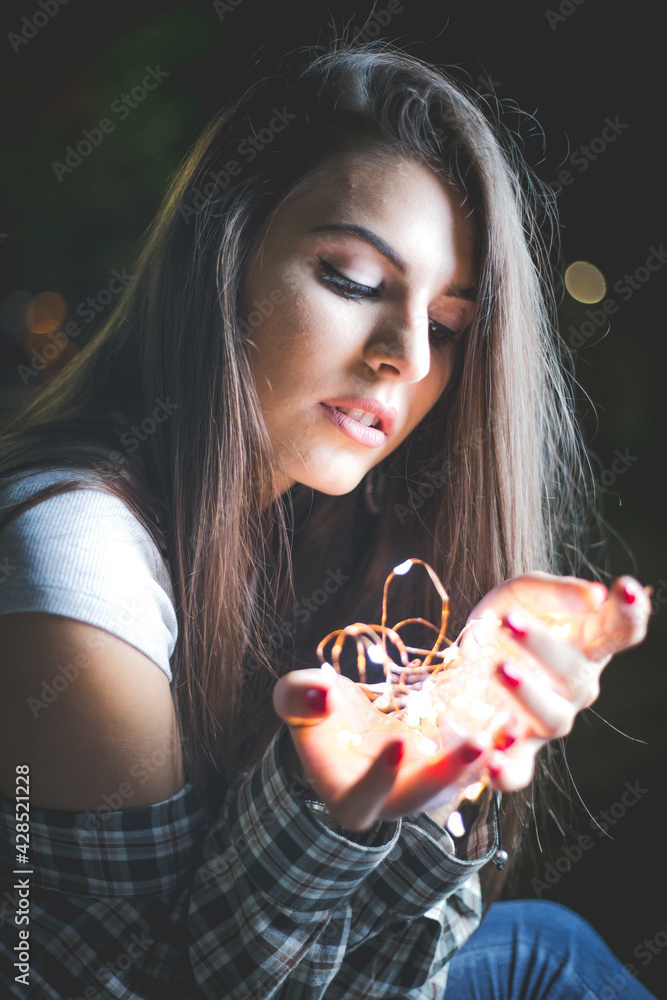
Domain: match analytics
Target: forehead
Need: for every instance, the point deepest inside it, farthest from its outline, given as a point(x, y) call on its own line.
point(407, 201)
point(372, 178)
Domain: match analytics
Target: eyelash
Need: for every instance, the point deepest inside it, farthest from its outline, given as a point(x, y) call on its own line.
point(355, 292)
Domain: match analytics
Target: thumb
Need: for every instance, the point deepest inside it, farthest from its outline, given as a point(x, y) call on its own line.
point(304, 697)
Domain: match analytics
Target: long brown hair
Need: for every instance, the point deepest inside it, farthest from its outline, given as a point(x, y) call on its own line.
point(489, 485)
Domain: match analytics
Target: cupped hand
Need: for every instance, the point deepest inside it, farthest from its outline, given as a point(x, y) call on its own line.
point(602, 622)
point(364, 765)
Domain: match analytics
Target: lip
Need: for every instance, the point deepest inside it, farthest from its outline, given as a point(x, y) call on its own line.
point(387, 415)
point(372, 437)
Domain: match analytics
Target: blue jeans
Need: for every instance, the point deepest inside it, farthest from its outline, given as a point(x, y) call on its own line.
point(538, 950)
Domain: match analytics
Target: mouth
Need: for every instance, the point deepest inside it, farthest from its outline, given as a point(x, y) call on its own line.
point(367, 412)
point(360, 430)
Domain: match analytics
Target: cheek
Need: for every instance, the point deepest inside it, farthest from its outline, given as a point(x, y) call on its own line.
point(439, 376)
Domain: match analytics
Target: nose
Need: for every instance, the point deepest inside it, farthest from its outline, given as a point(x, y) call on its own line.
point(403, 348)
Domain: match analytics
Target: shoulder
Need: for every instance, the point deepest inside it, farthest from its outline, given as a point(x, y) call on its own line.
point(85, 554)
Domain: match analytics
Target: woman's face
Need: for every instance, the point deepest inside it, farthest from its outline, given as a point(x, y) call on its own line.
point(311, 347)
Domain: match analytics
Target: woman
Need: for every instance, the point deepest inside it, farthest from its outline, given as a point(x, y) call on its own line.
point(351, 233)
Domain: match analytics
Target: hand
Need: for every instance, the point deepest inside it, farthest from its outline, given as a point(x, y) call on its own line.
point(383, 775)
point(602, 624)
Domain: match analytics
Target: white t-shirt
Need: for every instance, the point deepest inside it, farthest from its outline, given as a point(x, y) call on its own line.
point(85, 555)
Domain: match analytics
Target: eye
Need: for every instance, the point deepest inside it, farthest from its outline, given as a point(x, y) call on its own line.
point(349, 289)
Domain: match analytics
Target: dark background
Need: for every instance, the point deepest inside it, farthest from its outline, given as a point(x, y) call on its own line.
point(571, 66)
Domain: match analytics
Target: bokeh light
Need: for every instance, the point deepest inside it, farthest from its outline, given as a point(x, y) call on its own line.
point(585, 282)
point(45, 312)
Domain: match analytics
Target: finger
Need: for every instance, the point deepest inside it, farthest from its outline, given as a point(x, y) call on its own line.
point(437, 781)
point(545, 594)
point(623, 620)
point(510, 772)
point(359, 807)
point(578, 677)
point(506, 736)
point(304, 697)
point(552, 714)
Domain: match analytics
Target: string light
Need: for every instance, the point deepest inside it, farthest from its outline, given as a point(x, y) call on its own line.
point(442, 694)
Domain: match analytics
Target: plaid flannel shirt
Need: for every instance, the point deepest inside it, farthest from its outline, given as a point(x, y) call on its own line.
point(263, 898)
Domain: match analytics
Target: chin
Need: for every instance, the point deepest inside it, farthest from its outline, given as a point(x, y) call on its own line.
point(332, 485)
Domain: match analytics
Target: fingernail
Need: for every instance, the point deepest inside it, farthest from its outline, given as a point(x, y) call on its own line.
point(629, 595)
point(393, 755)
point(469, 753)
point(494, 770)
point(504, 741)
point(509, 674)
point(515, 622)
point(316, 700)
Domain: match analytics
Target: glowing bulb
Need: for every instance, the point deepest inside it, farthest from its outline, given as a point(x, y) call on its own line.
point(375, 653)
point(427, 746)
point(561, 631)
point(472, 791)
point(403, 567)
point(328, 668)
point(481, 710)
point(455, 824)
point(384, 701)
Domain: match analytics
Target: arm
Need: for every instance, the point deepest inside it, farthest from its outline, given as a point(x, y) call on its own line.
point(417, 908)
point(142, 895)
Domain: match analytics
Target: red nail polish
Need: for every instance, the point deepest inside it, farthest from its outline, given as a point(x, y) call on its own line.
point(494, 771)
point(469, 754)
point(509, 674)
point(516, 630)
point(629, 595)
point(393, 755)
point(504, 741)
point(316, 700)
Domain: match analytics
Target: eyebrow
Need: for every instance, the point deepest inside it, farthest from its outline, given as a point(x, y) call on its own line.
point(468, 292)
